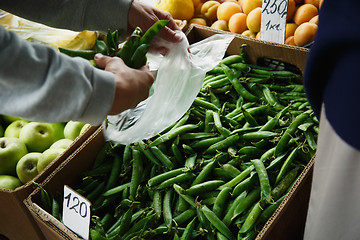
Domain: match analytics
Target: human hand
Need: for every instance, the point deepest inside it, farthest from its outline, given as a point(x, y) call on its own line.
point(131, 85)
point(144, 16)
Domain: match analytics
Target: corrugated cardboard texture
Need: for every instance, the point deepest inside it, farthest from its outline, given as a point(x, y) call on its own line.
point(16, 222)
point(66, 173)
point(286, 223)
point(256, 49)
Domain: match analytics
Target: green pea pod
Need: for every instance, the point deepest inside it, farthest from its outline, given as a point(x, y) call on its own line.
point(137, 171)
point(217, 223)
point(187, 234)
point(95, 235)
point(129, 47)
point(45, 198)
point(138, 59)
point(87, 54)
point(111, 44)
point(264, 181)
point(251, 218)
point(100, 47)
point(153, 31)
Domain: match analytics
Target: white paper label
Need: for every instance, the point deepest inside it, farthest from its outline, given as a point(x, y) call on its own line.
point(76, 212)
point(273, 20)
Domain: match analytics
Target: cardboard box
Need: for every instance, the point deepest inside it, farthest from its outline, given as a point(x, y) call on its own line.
point(16, 223)
point(66, 173)
point(286, 223)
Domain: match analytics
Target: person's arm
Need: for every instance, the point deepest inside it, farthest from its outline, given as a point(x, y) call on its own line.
point(37, 83)
point(73, 15)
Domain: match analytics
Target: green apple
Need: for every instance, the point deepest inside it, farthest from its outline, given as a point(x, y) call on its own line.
point(11, 150)
point(26, 168)
point(85, 128)
point(9, 119)
point(37, 136)
point(47, 157)
point(1, 131)
point(62, 143)
point(58, 130)
point(9, 182)
point(72, 129)
point(14, 128)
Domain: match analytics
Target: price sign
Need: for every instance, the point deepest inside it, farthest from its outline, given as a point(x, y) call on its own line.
point(273, 20)
point(76, 212)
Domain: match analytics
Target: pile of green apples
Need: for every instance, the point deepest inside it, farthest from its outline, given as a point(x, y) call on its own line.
point(27, 147)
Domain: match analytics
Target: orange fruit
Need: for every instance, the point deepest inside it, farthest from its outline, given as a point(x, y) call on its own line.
point(241, 2)
point(258, 36)
point(290, 41)
point(290, 10)
point(197, 10)
point(227, 9)
point(290, 29)
point(304, 13)
point(253, 20)
point(209, 10)
point(321, 2)
point(316, 3)
point(198, 20)
point(249, 5)
point(220, 24)
point(315, 20)
point(237, 23)
point(305, 33)
point(249, 33)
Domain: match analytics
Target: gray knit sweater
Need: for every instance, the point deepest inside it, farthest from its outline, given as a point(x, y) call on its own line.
point(40, 84)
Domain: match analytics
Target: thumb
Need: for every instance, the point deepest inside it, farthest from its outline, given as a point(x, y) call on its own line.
point(101, 60)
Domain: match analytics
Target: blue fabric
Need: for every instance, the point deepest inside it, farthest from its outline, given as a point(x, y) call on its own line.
point(331, 74)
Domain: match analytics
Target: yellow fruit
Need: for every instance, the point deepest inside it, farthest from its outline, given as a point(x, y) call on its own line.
point(179, 9)
point(249, 5)
point(304, 13)
point(315, 20)
point(209, 9)
point(227, 9)
point(290, 41)
point(198, 20)
point(237, 23)
point(305, 33)
point(221, 25)
point(291, 10)
point(290, 29)
point(249, 33)
point(253, 20)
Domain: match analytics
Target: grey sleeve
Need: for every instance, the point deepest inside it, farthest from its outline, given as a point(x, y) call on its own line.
point(40, 84)
point(75, 15)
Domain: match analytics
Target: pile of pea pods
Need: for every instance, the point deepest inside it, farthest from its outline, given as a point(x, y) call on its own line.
point(219, 172)
point(132, 52)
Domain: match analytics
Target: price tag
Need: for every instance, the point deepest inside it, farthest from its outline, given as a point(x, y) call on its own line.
point(76, 212)
point(273, 20)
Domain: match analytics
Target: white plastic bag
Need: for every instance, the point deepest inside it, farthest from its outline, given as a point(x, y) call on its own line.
point(178, 81)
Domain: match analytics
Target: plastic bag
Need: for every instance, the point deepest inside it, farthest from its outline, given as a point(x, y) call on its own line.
point(178, 81)
point(55, 37)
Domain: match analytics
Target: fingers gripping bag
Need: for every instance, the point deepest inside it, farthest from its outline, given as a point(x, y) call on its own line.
point(179, 78)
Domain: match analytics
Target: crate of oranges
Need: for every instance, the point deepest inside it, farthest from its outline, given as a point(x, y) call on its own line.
point(244, 17)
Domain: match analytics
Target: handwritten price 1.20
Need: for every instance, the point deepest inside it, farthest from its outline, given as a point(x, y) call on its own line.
point(73, 203)
point(76, 212)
